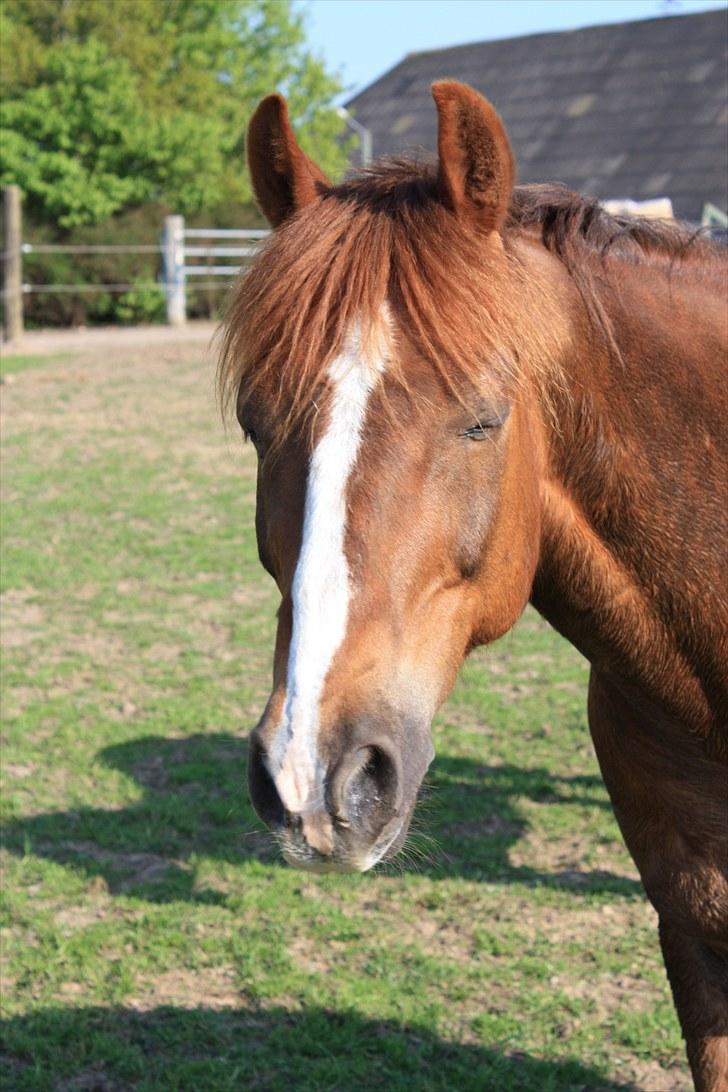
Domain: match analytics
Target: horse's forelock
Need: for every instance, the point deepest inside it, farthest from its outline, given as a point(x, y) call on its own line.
point(382, 239)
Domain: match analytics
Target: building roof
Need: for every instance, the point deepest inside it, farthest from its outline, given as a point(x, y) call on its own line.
point(635, 110)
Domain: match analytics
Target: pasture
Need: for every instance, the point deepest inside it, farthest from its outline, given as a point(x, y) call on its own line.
point(151, 938)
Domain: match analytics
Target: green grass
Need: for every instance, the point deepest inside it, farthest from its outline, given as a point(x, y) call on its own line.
point(151, 937)
point(12, 364)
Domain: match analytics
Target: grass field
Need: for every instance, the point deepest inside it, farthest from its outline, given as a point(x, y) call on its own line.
point(151, 937)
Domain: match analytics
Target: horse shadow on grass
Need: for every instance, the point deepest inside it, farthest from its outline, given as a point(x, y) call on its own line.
point(264, 1050)
point(195, 805)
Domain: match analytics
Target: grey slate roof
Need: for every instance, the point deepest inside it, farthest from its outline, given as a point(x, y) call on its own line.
point(628, 110)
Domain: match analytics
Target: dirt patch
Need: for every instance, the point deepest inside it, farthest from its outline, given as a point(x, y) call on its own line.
point(445, 939)
point(87, 339)
point(564, 857)
point(140, 868)
point(71, 918)
point(608, 991)
point(23, 619)
point(162, 654)
point(652, 1077)
point(491, 824)
point(16, 700)
point(93, 1079)
point(185, 988)
point(17, 772)
point(610, 922)
point(314, 957)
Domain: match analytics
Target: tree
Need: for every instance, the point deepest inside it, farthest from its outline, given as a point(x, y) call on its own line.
point(109, 105)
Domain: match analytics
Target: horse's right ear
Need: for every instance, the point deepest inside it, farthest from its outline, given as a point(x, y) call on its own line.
point(477, 170)
point(284, 178)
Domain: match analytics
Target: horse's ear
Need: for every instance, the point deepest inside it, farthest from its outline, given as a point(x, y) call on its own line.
point(284, 178)
point(477, 169)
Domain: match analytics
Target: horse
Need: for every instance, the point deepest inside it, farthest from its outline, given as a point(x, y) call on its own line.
point(464, 396)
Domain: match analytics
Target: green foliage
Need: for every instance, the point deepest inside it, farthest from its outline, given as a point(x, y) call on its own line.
point(78, 142)
point(143, 304)
point(108, 106)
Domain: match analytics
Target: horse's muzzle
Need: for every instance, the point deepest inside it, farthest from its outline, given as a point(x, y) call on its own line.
point(358, 817)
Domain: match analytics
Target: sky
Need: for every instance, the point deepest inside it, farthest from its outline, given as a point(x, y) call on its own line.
point(361, 39)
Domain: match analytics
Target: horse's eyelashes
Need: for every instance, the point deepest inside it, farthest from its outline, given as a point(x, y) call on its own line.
point(480, 430)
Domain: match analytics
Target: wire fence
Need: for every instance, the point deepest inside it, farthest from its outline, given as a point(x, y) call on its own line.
point(196, 258)
point(229, 270)
point(30, 289)
point(111, 248)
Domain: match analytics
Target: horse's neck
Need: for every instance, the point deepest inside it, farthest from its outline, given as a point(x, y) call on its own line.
point(632, 559)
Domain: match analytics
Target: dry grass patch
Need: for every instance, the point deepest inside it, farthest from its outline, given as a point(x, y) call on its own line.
point(212, 986)
point(23, 618)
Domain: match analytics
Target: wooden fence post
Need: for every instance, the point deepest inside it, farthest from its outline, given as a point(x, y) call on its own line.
point(13, 264)
point(173, 257)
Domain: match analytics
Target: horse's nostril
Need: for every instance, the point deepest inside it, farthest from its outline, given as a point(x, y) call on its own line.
point(379, 770)
point(371, 789)
point(263, 792)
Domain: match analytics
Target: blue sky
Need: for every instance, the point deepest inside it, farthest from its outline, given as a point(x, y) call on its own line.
point(361, 39)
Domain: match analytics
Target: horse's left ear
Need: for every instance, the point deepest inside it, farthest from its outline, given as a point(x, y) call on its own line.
point(477, 169)
point(284, 178)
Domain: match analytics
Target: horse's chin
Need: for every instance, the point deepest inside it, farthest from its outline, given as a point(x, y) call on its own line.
point(386, 847)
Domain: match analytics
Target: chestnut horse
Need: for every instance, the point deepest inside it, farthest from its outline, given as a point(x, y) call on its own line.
point(463, 397)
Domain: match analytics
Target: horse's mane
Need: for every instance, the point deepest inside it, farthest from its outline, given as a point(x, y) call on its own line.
point(573, 227)
point(588, 240)
point(385, 236)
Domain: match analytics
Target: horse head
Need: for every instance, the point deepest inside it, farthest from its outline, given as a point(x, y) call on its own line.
point(372, 351)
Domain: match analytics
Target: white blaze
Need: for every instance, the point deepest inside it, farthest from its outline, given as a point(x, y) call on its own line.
point(321, 588)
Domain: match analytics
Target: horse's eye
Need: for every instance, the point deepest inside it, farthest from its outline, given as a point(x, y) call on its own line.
point(247, 418)
point(487, 420)
point(479, 431)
